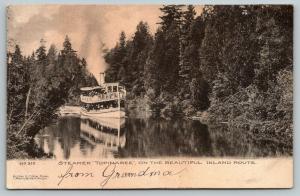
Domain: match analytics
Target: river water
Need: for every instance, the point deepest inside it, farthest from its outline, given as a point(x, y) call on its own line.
point(72, 137)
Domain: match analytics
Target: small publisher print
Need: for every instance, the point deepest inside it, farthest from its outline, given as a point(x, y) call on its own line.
point(30, 177)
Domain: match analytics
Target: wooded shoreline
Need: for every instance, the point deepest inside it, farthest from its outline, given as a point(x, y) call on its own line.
point(231, 64)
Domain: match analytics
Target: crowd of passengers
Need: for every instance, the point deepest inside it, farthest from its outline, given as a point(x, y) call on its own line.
point(100, 106)
point(100, 91)
point(92, 93)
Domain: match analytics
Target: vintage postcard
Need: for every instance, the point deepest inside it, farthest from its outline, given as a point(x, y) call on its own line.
point(149, 96)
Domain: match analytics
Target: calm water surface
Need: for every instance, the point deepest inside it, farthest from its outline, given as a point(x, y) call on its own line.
point(82, 137)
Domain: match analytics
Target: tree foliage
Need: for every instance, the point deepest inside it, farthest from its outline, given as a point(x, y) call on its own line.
point(235, 62)
point(37, 86)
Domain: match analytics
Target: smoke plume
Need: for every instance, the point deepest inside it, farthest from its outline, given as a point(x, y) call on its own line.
point(88, 26)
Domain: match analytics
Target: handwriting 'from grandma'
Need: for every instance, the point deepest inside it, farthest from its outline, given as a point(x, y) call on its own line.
point(110, 172)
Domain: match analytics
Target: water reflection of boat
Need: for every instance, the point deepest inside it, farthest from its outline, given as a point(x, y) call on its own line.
point(109, 133)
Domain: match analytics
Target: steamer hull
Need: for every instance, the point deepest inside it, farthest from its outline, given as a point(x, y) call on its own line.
point(104, 114)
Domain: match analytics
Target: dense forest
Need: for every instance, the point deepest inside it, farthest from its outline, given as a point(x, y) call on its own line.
point(37, 86)
point(231, 64)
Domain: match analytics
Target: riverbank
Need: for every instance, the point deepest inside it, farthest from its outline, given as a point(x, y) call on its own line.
point(238, 124)
point(20, 138)
point(273, 129)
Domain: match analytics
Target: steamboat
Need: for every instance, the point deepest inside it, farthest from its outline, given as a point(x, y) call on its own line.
point(105, 101)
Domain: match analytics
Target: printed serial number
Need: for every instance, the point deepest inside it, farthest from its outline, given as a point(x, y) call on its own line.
point(23, 163)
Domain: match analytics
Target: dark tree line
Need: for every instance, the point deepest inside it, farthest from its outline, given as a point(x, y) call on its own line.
point(235, 62)
point(37, 86)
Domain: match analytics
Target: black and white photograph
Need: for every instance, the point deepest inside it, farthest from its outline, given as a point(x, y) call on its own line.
point(203, 83)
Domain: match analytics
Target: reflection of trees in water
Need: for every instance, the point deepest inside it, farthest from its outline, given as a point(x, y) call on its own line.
point(46, 141)
point(158, 137)
point(47, 137)
point(240, 142)
point(68, 130)
point(226, 143)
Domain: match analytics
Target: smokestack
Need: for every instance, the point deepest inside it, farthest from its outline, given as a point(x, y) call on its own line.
point(102, 78)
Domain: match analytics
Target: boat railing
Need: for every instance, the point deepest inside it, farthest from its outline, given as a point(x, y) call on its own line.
point(102, 97)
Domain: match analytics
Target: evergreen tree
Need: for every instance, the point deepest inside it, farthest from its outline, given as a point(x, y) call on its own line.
point(275, 46)
point(115, 58)
point(191, 37)
point(67, 46)
point(52, 54)
point(169, 64)
point(171, 15)
point(41, 56)
point(138, 54)
point(152, 74)
point(122, 42)
point(37, 86)
point(199, 93)
point(16, 79)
